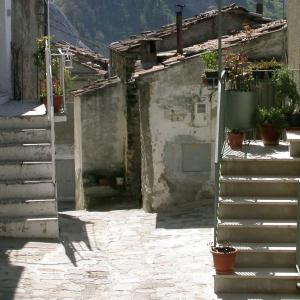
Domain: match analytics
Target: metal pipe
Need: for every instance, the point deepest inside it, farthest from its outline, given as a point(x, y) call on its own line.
point(179, 28)
point(260, 7)
point(220, 33)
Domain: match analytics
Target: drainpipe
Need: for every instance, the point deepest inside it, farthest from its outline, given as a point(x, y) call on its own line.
point(179, 28)
point(260, 7)
point(220, 33)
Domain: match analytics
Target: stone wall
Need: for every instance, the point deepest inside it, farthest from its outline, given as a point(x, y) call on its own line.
point(28, 23)
point(293, 8)
point(177, 135)
point(100, 137)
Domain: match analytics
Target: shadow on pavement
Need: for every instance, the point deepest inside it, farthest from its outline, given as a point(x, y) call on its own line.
point(14, 253)
point(74, 234)
point(193, 215)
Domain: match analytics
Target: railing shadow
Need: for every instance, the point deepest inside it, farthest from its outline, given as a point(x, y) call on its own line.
point(74, 236)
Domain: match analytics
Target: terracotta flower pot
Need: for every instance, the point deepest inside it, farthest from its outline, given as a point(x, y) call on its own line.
point(224, 259)
point(270, 135)
point(235, 140)
point(57, 102)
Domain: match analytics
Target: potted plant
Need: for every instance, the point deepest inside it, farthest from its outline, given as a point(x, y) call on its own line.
point(264, 69)
point(40, 63)
point(224, 258)
point(235, 139)
point(287, 94)
point(210, 75)
point(271, 122)
point(240, 96)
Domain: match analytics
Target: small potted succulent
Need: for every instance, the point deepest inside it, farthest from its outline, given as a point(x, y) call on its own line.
point(271, 122)
point(210, 75)
point(236, 139)
point(224, 258)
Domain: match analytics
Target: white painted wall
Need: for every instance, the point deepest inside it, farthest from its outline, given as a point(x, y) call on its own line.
point(5, 52)
point(180, 114)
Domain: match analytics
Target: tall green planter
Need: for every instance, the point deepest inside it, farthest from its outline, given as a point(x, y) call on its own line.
point(240, 110)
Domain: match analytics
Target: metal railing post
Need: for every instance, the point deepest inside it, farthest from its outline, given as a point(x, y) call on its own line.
point(298, 233)
point(220, 138)
point(50, 107)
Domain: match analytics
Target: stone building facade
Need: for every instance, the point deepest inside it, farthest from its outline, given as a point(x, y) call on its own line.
point(170, 113)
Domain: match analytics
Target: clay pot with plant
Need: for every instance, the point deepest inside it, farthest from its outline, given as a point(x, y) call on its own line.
point(236, 139)
point(224, 258)
point(271, 122)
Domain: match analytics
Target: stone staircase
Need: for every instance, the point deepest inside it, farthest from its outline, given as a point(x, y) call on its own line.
point(28, 206)
point(257, 214)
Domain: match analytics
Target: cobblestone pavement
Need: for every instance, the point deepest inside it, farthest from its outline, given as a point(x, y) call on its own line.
point(119, 254)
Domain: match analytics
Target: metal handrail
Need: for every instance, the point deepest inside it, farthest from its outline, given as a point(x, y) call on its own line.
point(298, 232)
point(219, 146)
point(50, 107)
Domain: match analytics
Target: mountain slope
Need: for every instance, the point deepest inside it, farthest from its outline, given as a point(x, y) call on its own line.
point(100, 22)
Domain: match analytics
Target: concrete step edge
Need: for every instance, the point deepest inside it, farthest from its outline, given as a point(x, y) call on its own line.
point(25, 201)
point(28, 219)
point(257, 201)
point(23, 163)
point(260, 179)
point(247, 296)
point(262, 273)
point(27, 181)
point(15, 145)
point(265, 247)
point(8, 130)
point(255, 223)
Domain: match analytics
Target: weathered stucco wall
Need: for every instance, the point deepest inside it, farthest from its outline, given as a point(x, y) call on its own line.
point(28, 23)
point(293, 8)
point(177, 130)
point(100, 135)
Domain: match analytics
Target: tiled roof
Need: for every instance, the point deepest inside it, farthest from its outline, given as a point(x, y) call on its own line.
point(85, 57)
point(165, 31)
point(96, 85)
point(212, 45)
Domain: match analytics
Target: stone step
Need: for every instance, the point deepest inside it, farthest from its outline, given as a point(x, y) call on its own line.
point(21, 170)
point(261, 186)
point(27, 207)
point(24, 122)
point(258, 280)
point(256, 296)
point(37, 227)
point(261, 167)
point(34, 189)
point(26, 152)
point(23, 136)
point(264, 255)
point(257, 208)
point(257, 231)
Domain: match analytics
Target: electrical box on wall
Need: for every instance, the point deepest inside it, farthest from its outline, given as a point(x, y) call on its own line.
point(201, 113)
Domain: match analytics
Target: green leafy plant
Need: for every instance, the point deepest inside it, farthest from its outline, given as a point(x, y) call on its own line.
point(239, 72)
point(210, 59)
point(272, 64)
point(286, 88)
point(274, 116)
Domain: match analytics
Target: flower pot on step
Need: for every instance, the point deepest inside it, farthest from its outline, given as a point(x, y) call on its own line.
point(235, 140)
point(270, 135)
point(224, 259)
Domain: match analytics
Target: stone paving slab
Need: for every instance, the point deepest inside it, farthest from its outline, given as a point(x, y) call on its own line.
point(119, 254)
